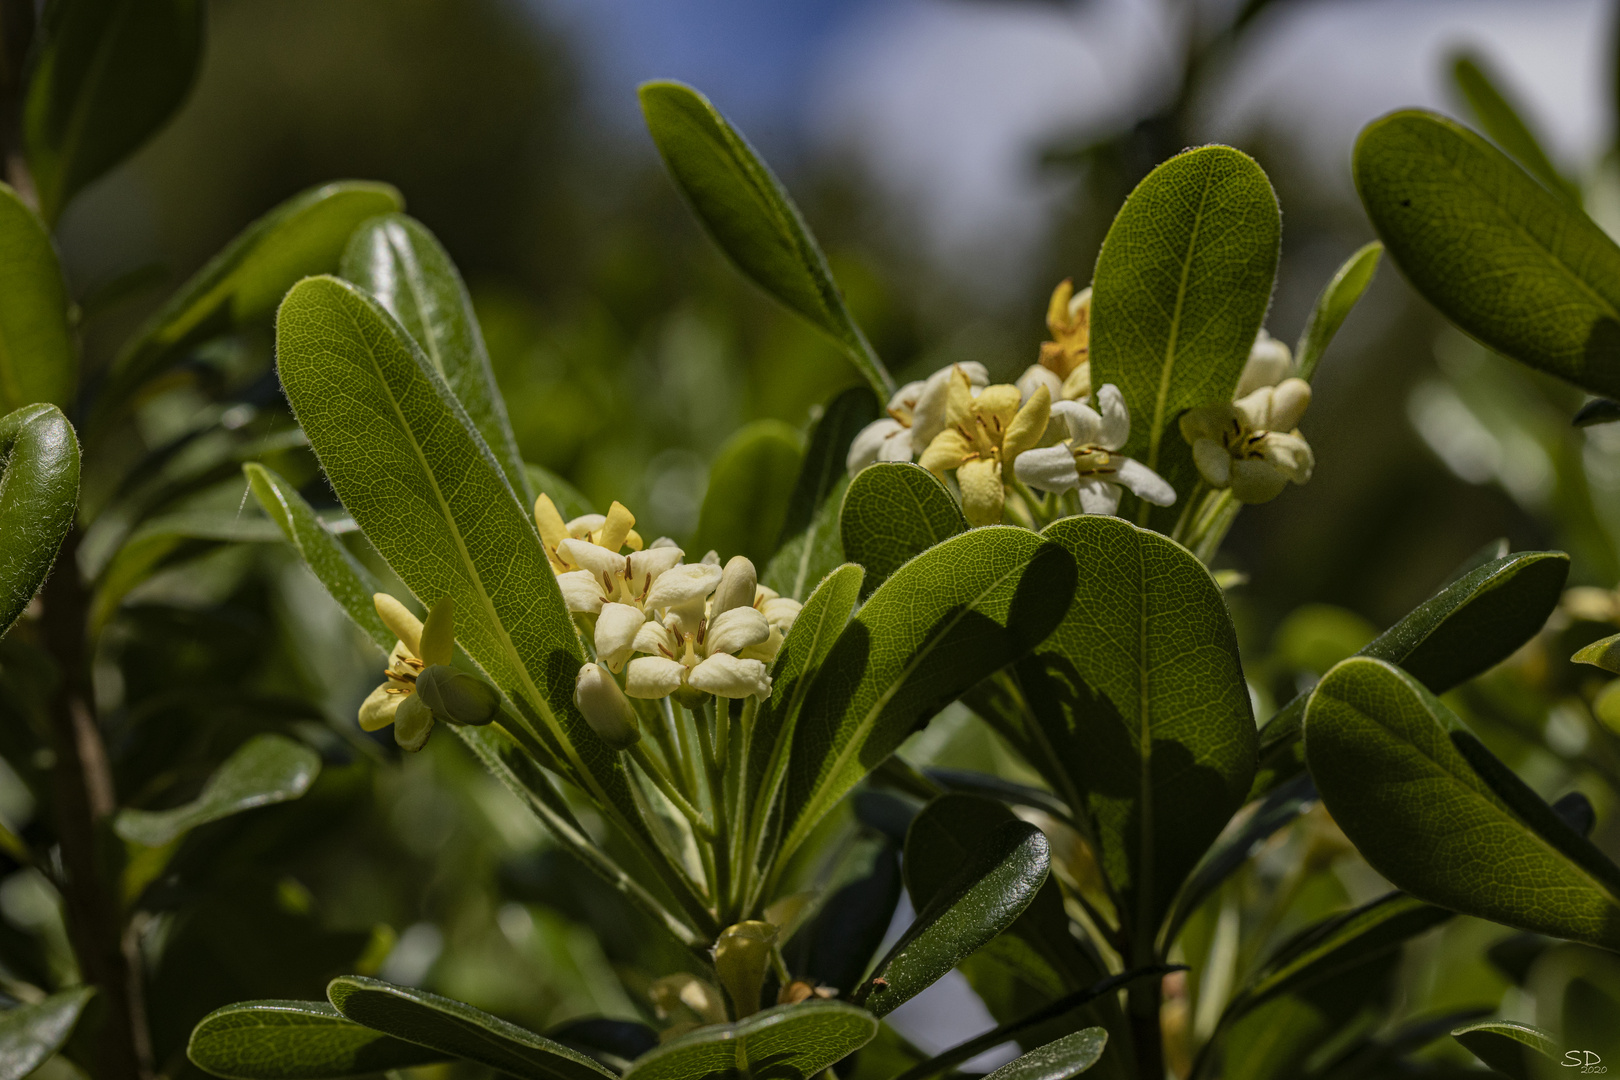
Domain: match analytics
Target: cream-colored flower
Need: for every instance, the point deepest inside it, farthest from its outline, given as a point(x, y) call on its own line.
point(1269, 363)
point(1253, 445)
point(982, 436)
point(916, 415)
point(605, 707)
point(419, 646)
point(1065, 361)
point(617, 589)
point(611, 531)
point(706, 660)
point(1088, 461)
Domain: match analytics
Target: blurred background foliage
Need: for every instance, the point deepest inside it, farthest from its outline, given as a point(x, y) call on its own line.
point(628, 351)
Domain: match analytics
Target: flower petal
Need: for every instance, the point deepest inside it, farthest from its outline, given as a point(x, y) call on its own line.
point(1268, 364)
point(377, 711)
point(735, 630)
point(413, 723)
point(982, 494)
point(727, 676)
point(1038, 375)
point(1116, 418)
point(582, 526)
point(1077, 385)
point(553, 530)
point(1213, 422)
point(900, 446)
point(1098, 497)
point(1143, 482)
point(652, 677)
point(1288, 404)
point(617, 526)
point(581, 591)
point(1050, 468)
point(1028, 425)
point(399, 620)
point(616, 630)
point(1254, 411)
point(1085, 426)
point(681, 585)
point(1290, 454)
point(869, 442)
point(1214, 463)
point(598, 560)
point(781, 611)
point(948, 450)
point(656, 638)
point(645, 566)
point(904, 400)
point(1256, 481)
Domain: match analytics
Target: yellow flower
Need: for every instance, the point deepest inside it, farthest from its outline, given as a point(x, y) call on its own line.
point(420, 646)
point(983, 436)
point(613, 531)
point(1065, 361)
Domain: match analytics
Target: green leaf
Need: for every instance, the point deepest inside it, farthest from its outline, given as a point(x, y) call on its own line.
point(809, 641)
point(296, 1040)
point(1182, 284)
point(454, 1028)
point(1430, 809)
point(1603, 653)
point(750, 484)
point(30, 1034)
point(1501, 256)
point(402, 455)
point(38, 359)
point(400, 263)
point(568, 499)
point(39, 489)
point(1471, 624)
point(1059, 1059)
point(1502, 121)
point(244, 282)
point(106, 76)
point(810, 544)
point(1512, 1049)
point(940, 623)
point(749, 215)
point(265, 770)
point(1139, 695)
point(1333, 307)
point(787, 1041)
point(988, 892)
point(892, 512)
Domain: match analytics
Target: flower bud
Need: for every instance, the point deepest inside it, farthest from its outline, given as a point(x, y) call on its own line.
point(399, 620)
point(738, 584)
point(605, 707)
point(458, 697)
point(741, 955)
point(413, 723)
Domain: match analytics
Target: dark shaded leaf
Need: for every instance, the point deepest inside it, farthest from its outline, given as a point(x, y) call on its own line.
point(296, 1040)
point(39, 363)
point(30, 1034)
point(39, 491)
point(790, 1042)
point(892, 512)
point(749, 487)
point(265, 770)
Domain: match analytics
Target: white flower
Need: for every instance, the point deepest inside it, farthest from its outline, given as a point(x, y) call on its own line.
point(916, 415)
point(615, 588)
point(1269, 363)
point(1253, 445)
point(1087, 460)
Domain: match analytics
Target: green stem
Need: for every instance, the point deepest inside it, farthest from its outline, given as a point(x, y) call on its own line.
point(638, 754)
point(721, 847)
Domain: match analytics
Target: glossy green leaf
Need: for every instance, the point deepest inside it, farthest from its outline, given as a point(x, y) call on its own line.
point(814, 632)
point(1059, 1059)
point(39, 362)
point(1140, 697)
point(1509, 1047)
point(296, 1040)
point(892, 512)
point(838, 944)
point(938, 625)
point(39, 489)
point(247, 279)
point(750, 216)
point(986, 894)
point(445, 519)
point(30, 1034)
point(1182, 284)
point(1333, 306)
point(789, 1041)
point(106, 76)
point(1500, 119)
point(1474, 622)
point(810, 544)
point(569, 500)
point(1603, 653)
point(459, 1030)
point(1501, 256)
point(1430, 809)
point(401, 264)
point(265, 770)
point(750, 484)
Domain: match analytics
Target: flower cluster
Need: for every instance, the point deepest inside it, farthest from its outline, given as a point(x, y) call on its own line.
point(1088, 462)
point(1064, 367)
point(916, 416)
point(1253, 445)
point(419, 686)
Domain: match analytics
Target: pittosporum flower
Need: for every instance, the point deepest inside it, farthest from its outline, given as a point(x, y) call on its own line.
point(916, 415)
point(705, 648)
point(1269, 363)
point(619, 590)
point(605, 707)
point(610, 532)
point(1253, 445)
point(1065, 361)
point(1088, 460)
point(420, 646)
point(982, 436)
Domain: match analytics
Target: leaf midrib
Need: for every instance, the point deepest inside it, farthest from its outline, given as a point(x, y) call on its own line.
point(1156, 433)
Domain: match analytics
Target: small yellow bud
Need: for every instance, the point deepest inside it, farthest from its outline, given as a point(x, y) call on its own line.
point(553, 530)
point(605, 707)
point(458, 697)
point(439, 633)
point(400, 622)
point(616, 528)
point(741, 955)
point(738, 584)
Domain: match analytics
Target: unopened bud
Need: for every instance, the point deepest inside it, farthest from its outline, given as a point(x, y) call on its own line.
point(738, 584)
point(741, 955)
point(458, 697)
point(605, 707)
point(413, 723)
point(400, 622)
